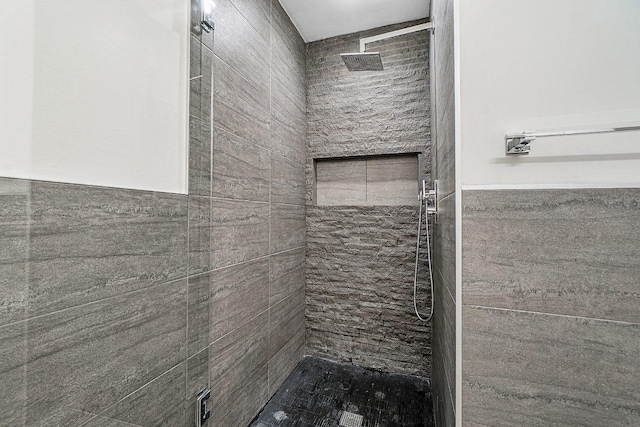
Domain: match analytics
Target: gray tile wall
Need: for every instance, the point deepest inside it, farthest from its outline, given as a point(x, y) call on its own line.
point(118, 306)
point(360, 259)
point(97, 298)
point(444, 251)
point(550, 321)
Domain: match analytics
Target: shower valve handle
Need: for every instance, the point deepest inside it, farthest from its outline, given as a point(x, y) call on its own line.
point(430, 197)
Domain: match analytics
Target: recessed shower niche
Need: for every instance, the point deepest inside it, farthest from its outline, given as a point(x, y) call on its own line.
point(389, 180)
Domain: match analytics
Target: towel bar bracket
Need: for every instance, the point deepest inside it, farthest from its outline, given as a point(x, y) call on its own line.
point(519, 143)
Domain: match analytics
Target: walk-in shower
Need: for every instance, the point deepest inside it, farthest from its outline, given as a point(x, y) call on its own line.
point(371, 61)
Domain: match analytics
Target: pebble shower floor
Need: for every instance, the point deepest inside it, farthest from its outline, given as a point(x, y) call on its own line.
point(322, 393)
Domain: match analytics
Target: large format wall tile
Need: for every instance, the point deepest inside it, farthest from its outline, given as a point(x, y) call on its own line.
point(240, 45)
point(287, 181)
point(199, 234)
point(197, 382)
point(199, 156)
point(444, 244)
point(257, 13)
point(239, 231)
point(341, 182)
point(201, 85)
point(158, 403)
point(287, 227)
point(288, 50)
point(444, 150)
point(285, 360)
point(538, 370)
point(14, 249)
point(198, 313)
point(99, 421)
point(392, 181)
point(556, 251)
point(89, 243)
point(87, 357)
point(286, 321)
point(13, 374)
point(240, 107)
point(288, 139)
point(286, 274)
point(444, 236)
point(288, 85)
point(238, 293)
point(242, 405)
point(239, 370)
point(240, 168)
point(195, 49)
point(444, 341)
point(200, 138)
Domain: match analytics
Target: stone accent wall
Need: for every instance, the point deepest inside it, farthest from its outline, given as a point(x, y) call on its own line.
point(359, 295)
point(360, 263)
point(368, 112)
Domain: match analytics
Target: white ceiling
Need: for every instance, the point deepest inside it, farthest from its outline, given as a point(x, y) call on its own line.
point(320, 19)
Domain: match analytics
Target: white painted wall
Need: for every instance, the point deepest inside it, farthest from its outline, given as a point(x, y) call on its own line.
point(95, 92)
point(549, 65)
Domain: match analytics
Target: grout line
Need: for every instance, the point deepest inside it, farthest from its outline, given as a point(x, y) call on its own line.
point(260, 258)
point(240, 137)
point(235, 329)
point(567, 316)
point(268, 202)
point(211, 243)
point(262, 202)
point(270, 143)
point(249, 22)
point(96, 417)
point(186, 338)
point(563, 186)
point(97, 187)
point(138, 389)
point(62, 310)
point(452, 194)
point(239, 74)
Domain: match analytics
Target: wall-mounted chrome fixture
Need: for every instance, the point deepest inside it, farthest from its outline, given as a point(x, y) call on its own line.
point(430, 197)
point(371, 61)
point(206, 22)
point(518, 143)
point(202, 412)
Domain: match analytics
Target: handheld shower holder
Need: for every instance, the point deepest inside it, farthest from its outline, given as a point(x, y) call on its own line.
point(430, 197)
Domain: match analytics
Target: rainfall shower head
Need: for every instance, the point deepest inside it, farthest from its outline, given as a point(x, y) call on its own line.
point(371, 61)
point(363, 61)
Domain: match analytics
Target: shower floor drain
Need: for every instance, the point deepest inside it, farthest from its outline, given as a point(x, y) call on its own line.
point(349, 419)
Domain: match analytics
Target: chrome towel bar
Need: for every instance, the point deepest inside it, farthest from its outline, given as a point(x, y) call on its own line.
point(518, 143)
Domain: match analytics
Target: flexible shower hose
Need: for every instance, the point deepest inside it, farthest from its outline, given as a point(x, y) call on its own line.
point(415, 275)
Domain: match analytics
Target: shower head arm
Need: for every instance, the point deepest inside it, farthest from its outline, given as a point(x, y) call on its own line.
point(400, 32)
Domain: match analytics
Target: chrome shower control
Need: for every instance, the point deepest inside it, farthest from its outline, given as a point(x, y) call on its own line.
point(430, 197)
